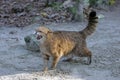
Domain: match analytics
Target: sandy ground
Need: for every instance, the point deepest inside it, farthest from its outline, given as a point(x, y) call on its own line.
point(18, 63)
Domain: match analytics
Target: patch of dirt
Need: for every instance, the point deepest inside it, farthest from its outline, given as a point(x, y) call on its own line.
point(23, 13)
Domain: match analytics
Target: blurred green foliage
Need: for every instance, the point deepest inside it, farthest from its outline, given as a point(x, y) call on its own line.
point(56, 5)
point(106, 2)
point(111, 2)
point(93, 2)
point(73, 10)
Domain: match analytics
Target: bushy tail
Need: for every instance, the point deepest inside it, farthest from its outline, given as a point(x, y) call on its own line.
point(92, 23)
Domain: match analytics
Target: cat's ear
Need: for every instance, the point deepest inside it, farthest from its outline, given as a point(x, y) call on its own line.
point(50, 31)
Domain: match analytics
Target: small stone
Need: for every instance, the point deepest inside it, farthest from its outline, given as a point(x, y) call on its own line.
point(31, 42)
point(12, 32)
point(101, 16)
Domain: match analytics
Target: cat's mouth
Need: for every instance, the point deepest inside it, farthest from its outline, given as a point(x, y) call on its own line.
point(39, 37)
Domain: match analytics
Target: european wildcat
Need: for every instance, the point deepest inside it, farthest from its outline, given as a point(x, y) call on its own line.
point(62, 43)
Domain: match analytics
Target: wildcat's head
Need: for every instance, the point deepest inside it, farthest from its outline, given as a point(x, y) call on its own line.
point(42, 32)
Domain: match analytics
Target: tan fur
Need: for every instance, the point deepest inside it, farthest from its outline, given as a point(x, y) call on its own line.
point(62, 43)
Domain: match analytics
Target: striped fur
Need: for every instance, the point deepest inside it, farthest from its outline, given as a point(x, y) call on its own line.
point(93, 20)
